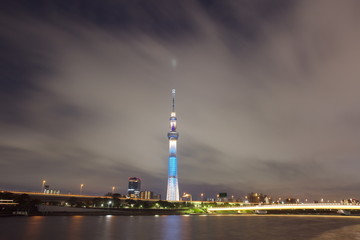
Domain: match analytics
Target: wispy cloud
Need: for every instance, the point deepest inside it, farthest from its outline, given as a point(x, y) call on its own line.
point(258, 92)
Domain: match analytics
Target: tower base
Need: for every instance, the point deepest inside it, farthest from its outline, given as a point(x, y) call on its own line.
point(172, 189)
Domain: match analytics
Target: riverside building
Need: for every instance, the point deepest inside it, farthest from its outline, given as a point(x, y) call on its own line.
point(134, 187)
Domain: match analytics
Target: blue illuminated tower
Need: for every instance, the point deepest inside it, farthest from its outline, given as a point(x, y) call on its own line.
point(173, 185)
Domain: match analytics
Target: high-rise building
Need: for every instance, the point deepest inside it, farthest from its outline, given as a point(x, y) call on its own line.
point(134, 187)
point(173, 185)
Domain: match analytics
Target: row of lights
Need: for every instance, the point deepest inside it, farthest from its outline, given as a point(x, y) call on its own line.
point(113, 190)
point(81, 187)
point(184, 195)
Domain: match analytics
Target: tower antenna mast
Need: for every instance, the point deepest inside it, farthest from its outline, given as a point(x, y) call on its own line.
point(173, 100)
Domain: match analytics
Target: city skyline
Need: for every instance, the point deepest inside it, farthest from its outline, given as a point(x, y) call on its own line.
point(269, 96)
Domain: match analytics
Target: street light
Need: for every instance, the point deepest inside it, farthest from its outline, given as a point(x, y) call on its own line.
point(43, 185)
point(81, 188)
point(113, 189)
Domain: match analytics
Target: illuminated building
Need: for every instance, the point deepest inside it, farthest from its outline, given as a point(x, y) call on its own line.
point(134, 187)
point(186, 197)
point(47, 190)
point(173, 185)
point(256, 197)
point(146, 195)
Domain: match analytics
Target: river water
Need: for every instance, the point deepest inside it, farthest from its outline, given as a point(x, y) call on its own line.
point(180, 227)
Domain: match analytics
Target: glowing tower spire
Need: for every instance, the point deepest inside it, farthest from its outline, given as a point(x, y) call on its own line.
point(173, 186)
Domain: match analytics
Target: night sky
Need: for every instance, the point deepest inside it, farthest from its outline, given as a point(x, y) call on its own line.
point(267, 95)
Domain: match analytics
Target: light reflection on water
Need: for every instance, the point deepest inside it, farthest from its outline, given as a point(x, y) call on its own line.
point(179, 227)
point(74, 227)
point(32, 229)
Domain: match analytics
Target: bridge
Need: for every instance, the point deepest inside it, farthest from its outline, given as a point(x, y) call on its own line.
point(311, 206)
point(244, 207)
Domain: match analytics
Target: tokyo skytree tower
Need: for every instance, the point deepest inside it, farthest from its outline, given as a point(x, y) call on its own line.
point(173, 185)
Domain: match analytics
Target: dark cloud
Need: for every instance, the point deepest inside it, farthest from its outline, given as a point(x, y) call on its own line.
point(267, 95)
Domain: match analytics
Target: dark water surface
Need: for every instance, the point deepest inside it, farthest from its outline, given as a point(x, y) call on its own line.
point(179, 227)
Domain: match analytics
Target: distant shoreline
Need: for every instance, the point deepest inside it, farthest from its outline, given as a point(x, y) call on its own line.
point(45, 210)
point(178, 214)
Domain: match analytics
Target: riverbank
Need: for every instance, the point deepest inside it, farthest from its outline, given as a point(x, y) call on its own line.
point(45, 210)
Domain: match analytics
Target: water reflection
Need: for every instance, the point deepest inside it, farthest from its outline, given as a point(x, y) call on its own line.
point(108, 231)
point(75, 227)
point(179, 227)
point(172, 227)
point(33, 228)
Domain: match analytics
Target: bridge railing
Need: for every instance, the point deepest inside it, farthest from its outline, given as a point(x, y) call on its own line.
point(297, 204)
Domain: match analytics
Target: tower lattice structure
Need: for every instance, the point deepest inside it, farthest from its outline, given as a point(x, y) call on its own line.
point(173, 135)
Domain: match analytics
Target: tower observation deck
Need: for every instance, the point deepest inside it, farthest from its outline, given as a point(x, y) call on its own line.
point(173, 185)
